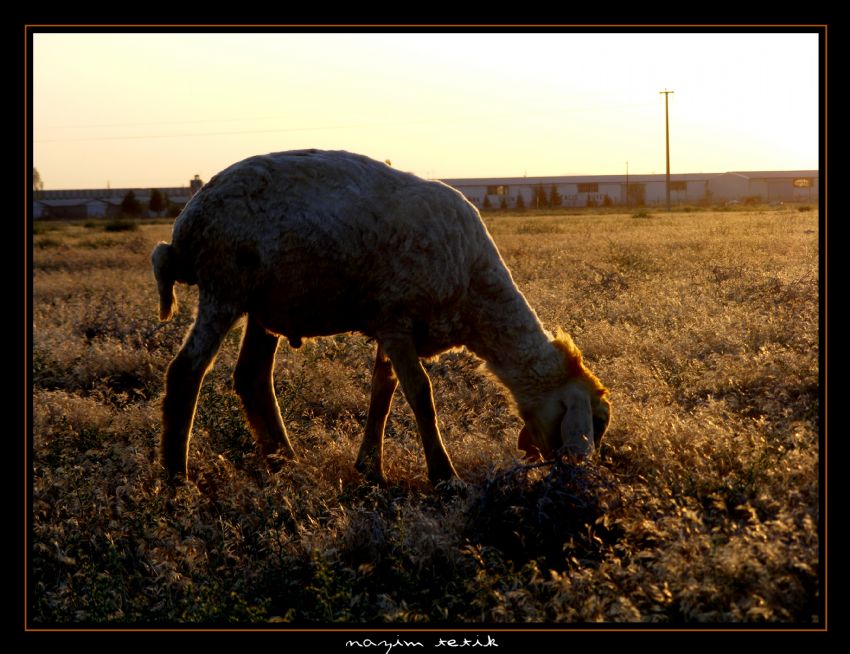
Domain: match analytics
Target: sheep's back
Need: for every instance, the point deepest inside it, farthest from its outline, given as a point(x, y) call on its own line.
point(296, 228)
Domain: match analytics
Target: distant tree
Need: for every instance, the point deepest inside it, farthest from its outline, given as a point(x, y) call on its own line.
point(486, 204)
point(591, 201)
point(538, 198)
point(130, 205)
point(607, 201)
point(157, 203)
point(37, 184)
point(555, 198)
point(503, 203)
point(520, 201)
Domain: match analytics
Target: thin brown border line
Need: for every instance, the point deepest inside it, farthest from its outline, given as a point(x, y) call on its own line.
point(825, 29)
point(436, 630)
point(475, 25)
point(27, 478)
point(824, 428)
point(825, 563)
point(826, 540)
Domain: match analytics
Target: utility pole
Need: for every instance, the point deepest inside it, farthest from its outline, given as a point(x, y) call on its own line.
point(667, 131)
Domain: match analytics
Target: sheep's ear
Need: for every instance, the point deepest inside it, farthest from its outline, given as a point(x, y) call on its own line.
point(577, 428)
point(526, 444)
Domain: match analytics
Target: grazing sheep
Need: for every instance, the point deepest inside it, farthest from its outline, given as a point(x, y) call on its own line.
point(312, 243)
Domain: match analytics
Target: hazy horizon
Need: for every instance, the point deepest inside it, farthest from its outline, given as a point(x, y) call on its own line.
point(153, 110)
point(633, 174)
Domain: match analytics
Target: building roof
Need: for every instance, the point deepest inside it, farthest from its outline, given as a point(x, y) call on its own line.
point(78, 202)
point(777, 174)
point(620, 179)
point(111, 193)
point(181, 194)
point(575, 179)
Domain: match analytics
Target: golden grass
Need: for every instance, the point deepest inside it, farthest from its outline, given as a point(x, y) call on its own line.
point(702, 506)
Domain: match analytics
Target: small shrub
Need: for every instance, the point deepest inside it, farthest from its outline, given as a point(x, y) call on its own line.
point(43, 243)
point(643, 213)
point(538, 227)
point(555, 517)
point(95, 243)
point(121, 225)
point(43, 227)
point(630, 259)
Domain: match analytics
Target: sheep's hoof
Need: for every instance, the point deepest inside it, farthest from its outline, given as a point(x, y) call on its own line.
point(373, 474)
point(377, 479)
point(445, 475)
point(369, 465)
point(176, 470)
point(452, 487)
point(274, 462)
point(176, 477)
point(280, 458)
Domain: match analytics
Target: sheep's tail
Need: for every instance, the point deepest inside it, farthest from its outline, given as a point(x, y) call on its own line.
point(165, 266)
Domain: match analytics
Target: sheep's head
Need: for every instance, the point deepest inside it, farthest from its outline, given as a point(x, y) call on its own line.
point(571, 418)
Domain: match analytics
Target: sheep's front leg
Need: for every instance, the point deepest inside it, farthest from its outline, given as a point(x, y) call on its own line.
point(417, 389)
point(252, 381)
point(370, 460)
point(183, 383)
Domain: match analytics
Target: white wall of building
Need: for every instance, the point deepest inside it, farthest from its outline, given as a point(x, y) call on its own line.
point(729, 186)
point(96, 208)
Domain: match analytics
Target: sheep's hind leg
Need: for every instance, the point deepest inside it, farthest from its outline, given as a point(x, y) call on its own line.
point(183, 383)
point(252, 381)
point(370, 460)
point(417, 389)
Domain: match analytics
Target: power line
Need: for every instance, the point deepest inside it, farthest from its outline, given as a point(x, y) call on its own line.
point(164, 122)
point(190, 134)
point(476, 119)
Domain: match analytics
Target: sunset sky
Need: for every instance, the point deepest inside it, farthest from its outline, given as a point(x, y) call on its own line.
point(148, 109)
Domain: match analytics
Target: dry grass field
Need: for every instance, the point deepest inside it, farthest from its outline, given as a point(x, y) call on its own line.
point(702, 506)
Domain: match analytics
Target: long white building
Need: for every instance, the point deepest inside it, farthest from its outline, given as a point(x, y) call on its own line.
point(106, 202)
point(505, 192)
point(639, 190)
